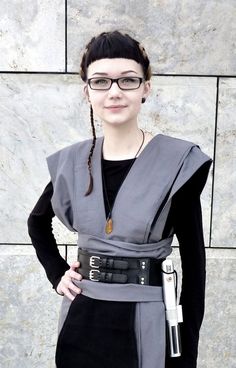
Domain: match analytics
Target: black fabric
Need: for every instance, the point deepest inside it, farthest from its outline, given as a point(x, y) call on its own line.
point(114, 173)
point(184, 220)
point(97, 334)
point(41, 233)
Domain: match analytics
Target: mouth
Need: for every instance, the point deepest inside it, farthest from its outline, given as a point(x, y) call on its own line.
point(115, 107)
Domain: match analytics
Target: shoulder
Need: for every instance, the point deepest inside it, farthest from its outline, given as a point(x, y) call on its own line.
point(72, 149)
point(71, 154)
point(177, 143)
point(185, 148)
point(65, 159)
point(193, 164)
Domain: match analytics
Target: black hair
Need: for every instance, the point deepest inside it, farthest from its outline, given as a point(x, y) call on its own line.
point(114, 45)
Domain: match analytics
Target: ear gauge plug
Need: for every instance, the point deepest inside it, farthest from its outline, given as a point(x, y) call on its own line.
point(143, 100)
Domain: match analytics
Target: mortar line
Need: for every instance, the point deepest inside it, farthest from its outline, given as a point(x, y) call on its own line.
point(214, 161)
point(66, 36)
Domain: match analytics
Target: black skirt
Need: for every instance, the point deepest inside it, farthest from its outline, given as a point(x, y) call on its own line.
point(98, 334)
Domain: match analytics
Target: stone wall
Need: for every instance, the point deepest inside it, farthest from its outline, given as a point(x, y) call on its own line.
point(191, 45)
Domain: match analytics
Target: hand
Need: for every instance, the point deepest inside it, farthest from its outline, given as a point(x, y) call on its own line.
point(66, 284)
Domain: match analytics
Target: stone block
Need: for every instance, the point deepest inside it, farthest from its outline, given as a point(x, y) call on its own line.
point(32, 35)
point(180, 37)
point(224, 200)
point(41, 114)
point(184, 107)
point(29, 310)
point(217, 339)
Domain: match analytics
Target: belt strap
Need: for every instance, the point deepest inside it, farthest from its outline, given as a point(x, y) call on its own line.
point(112, 269)
point(97, 275)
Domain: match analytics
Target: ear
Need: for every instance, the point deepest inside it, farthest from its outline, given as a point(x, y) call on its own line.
point(86, 93)
point(147, 89)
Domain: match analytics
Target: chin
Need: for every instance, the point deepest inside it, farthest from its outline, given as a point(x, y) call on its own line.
point(116, 123)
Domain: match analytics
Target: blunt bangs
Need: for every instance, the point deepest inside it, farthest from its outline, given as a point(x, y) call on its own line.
point(114, 45)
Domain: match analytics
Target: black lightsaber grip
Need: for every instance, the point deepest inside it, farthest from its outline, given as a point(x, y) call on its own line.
point(174, 340)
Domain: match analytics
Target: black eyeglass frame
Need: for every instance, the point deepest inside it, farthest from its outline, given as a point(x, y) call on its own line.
point(116, 80)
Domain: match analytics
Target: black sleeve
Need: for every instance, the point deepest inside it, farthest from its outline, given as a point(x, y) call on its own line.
point(186, 218)
point(43, 240)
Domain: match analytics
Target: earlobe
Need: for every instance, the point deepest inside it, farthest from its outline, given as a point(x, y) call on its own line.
point(147, 89)
point(86, 93)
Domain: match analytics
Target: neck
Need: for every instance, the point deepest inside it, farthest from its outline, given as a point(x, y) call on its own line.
point(121, 142)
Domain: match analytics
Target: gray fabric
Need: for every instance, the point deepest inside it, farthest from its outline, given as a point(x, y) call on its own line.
point(164, 165)
point(158, 173)
point(159, 249)
point(150, 334)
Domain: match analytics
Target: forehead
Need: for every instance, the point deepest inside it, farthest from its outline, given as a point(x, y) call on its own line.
point(114, 67)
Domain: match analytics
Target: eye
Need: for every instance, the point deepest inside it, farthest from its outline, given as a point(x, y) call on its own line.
point(129, 80)
point(100, 82)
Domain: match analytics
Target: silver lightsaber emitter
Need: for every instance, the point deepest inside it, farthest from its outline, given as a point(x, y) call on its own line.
point(174, 313)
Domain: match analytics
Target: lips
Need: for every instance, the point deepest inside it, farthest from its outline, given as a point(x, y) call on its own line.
point(115, 107)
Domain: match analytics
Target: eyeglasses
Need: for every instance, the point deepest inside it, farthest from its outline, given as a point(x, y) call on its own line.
point(124, 83)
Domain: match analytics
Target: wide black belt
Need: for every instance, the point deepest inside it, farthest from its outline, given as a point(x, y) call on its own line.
point(121, 270)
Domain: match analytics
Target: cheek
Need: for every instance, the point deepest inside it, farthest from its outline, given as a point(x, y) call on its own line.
point(96, 100)
point(136, 97)
point(137, 101)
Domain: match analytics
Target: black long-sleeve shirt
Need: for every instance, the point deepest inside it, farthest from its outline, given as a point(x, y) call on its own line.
point(186, 219)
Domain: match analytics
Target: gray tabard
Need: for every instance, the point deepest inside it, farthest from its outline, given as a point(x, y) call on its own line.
point(161, 169)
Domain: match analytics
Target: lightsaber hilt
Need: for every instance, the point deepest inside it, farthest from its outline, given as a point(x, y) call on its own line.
point(173, 311)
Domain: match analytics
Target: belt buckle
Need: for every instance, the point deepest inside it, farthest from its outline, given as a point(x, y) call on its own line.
point(92, 275)
point(94, 261)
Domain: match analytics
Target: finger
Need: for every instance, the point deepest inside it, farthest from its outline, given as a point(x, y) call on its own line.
point(68, 291)
point(58, 290)
point(66, 277)
point(71, 274)
point(68, 294)
point(74, 288)
point(75, 275)
point(66, 283)
point(75, 265)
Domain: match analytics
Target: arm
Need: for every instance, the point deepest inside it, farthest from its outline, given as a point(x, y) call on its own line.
point(59, 273)
point(186, 218)
point(43, 240)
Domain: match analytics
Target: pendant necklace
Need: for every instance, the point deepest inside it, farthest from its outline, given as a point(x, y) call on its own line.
point(109, 221)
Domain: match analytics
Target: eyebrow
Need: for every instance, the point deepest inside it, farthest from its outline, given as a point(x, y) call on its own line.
point(126, 72)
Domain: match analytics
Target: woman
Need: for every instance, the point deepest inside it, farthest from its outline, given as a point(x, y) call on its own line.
point(126, 194)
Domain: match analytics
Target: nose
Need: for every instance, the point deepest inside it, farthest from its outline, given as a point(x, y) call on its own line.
point(115, 90)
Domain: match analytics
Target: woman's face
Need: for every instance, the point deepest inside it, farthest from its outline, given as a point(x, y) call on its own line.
point(116, 106)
